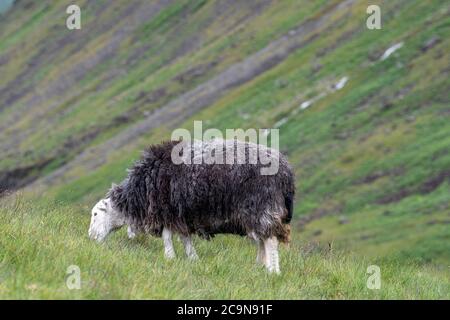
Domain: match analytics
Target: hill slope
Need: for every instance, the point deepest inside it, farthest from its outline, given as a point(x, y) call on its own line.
point(41, 247)
point(366, 131)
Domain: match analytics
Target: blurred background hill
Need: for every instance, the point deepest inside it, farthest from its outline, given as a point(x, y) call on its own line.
point(5, 5)
point(363, 114)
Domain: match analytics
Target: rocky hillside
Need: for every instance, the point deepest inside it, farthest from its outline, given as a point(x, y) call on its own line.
point(363, 114)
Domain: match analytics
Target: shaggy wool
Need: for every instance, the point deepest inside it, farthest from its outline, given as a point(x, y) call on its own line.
point(207, 199)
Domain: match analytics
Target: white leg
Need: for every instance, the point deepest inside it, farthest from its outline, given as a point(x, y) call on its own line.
point(131, 233)
point(271, 248)
point(261, 256)
point(189, 247)
point(169, 252)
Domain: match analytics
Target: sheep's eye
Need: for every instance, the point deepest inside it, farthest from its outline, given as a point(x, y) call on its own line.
point(95, 213)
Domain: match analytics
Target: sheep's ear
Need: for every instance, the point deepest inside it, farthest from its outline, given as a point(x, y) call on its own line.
point(113, 186)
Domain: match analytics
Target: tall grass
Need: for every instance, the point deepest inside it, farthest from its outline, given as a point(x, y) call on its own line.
point(40, 240)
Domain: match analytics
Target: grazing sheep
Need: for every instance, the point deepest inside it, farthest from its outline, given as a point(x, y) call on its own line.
point(160, 198)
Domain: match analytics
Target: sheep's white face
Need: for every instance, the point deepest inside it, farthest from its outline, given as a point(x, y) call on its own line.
point(104, 219)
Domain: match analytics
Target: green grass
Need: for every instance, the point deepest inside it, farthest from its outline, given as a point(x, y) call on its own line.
point(385, 134)
point(40, 241)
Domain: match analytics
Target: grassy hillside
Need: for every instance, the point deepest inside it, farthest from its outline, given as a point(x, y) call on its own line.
point(39, 243)
point(367, 135)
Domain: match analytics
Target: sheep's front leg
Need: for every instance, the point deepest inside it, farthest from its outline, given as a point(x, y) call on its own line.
point(261, 256)
point(189, 247)
point(169, 252)
point(131, 233)
point(271, 248)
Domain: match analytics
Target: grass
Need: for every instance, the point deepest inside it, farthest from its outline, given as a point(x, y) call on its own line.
point(385, 135)
point(40, 242)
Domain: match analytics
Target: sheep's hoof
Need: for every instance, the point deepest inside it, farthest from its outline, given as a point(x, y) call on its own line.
point(274, 271)
point(131, 233)
point(169, 255)
point(193, 257)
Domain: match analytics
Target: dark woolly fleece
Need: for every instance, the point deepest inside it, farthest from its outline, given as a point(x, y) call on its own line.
point(205, 199)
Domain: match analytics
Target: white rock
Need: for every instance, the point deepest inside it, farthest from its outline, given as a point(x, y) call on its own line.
point(391, 50)
point(341, 83)
point(305, 104)
point(281, 122)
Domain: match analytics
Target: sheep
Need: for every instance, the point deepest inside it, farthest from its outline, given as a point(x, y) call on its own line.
point(162, 197)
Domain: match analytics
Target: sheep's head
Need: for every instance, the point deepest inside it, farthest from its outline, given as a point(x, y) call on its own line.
point(104, 219)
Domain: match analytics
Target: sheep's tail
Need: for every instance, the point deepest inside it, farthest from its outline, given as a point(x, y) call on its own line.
point(289, 203)
point(283, 228)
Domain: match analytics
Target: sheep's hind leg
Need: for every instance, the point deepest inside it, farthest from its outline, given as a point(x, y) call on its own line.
point(261, 256)
point(189, 247)
point(272, 259)
point(131, 233)
point(169, 251)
